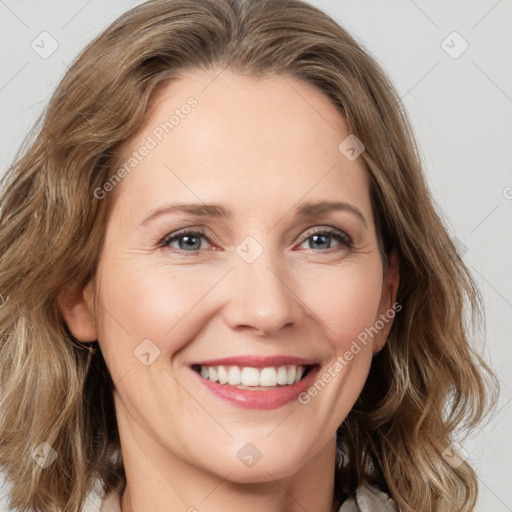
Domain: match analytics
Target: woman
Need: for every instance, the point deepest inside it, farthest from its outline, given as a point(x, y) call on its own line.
point(168, 326)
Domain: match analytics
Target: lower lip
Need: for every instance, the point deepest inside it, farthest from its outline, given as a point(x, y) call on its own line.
point(248, 399)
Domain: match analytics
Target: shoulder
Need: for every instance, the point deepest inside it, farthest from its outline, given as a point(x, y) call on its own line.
point(369, 499)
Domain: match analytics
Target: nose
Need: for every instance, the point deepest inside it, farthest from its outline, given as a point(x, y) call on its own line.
point(261, 296)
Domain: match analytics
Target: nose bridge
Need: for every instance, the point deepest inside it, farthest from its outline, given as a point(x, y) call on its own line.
point(261, 290)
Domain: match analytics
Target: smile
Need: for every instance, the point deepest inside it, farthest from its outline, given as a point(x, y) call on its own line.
point(256, 382)
point(249, 377)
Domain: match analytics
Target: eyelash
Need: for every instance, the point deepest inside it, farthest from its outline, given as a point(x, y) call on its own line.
point(341, 237)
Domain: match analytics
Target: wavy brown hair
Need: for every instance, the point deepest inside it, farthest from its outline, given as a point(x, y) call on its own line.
point(425, 385)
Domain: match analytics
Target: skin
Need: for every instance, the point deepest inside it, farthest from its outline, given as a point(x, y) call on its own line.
point(257, 147)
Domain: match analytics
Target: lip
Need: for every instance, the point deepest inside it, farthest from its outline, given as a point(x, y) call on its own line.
point(256, 361)
point(258, 400)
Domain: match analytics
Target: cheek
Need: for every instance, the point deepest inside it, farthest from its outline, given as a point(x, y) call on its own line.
point(154, 303)
point(348, 302)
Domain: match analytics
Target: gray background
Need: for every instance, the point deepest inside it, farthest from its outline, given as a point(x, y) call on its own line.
point(461, 110)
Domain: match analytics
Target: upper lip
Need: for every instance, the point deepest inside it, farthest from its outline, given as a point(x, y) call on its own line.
point(255, 361)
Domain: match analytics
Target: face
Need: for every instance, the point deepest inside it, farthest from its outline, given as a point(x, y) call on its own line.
point(265, 284)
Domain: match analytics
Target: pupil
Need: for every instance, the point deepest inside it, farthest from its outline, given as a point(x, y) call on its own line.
point(315, 237)
point(187, 240)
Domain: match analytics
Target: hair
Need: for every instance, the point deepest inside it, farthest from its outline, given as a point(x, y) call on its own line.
point(426, 386)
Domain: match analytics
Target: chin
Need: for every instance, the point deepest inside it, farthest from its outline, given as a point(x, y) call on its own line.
point(262, 472)
point(272, 465)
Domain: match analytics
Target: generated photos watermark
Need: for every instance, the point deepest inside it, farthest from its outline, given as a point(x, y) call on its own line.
point(156, 136)
point(343, 360)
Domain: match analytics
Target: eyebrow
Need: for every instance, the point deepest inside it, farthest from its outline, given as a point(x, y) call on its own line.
point(305, 209)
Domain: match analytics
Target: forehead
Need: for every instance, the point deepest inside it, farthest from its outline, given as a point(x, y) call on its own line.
point(228, 138)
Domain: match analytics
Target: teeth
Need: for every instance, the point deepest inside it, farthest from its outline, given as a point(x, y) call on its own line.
point(223, 375)
point(268, 377)
point(292, 372)
point(248, 376)
point(282, 376)
point(234, 375)
point(213, 374)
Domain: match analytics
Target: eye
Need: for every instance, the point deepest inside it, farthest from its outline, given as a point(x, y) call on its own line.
point(321, 236)
point(188, 241)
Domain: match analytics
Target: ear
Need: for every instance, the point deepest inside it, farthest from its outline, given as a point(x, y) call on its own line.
point(387, 311)
point(77, 308)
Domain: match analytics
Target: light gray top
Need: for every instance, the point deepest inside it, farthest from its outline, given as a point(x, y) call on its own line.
point(369, 499)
